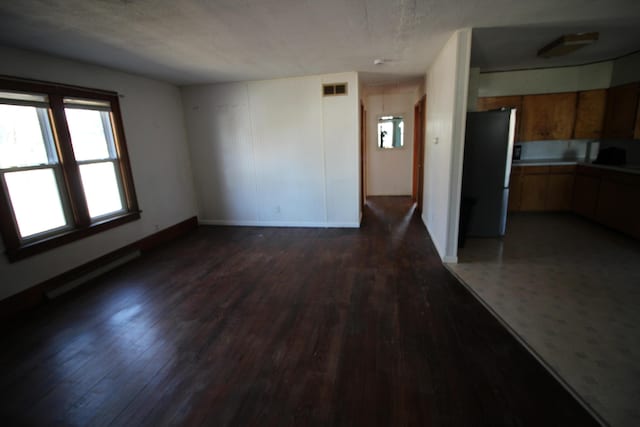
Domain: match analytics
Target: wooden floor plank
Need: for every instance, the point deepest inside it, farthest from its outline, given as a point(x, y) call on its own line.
point(276, 327)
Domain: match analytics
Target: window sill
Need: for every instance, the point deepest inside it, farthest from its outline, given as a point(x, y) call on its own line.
point(33, 248)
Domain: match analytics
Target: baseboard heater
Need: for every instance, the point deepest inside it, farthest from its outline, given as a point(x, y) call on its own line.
point(61, 290)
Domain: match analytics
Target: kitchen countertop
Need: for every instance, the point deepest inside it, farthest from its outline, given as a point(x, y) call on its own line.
point(544, 162)
point(635, 169)
point(626, 168)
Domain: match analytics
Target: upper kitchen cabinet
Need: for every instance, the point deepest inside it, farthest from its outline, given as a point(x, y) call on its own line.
point(496, 102)
point(590, 114)
point(622, 112)
point(548, 116)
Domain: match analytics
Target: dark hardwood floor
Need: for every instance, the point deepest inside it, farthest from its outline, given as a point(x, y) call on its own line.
point(275, 327)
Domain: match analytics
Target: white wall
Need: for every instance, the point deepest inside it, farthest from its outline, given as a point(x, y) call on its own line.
point(626, 70)
point(275, 152)
point(389, 171)
point(550, 80)
point(546, 80)
point(447, 84)
point(156, 139)
point(362, 151)
point(474, 85)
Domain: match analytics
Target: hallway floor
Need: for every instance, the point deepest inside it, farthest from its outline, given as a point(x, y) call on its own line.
point(275, 327)
point(571, 290)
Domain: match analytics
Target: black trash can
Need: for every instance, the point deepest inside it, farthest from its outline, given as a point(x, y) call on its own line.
point(466, 208)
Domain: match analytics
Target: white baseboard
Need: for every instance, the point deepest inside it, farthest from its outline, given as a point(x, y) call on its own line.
point(304, 224)
point(446, 259)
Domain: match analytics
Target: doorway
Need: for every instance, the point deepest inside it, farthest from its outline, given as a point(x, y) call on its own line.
point(363, 153)
point(418, 151)
point(388, 139)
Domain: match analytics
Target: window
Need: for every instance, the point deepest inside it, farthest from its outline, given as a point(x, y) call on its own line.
point(64, 169)
point(390, 132)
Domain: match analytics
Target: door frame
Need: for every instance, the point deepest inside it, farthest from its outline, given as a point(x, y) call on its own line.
point(419, 118)
point(363, 154)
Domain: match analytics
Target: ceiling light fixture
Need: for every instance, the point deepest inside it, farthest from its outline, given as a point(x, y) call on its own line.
point(567, 44)
point(378, 61)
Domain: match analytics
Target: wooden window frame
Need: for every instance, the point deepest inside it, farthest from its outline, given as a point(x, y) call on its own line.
point(81, 225)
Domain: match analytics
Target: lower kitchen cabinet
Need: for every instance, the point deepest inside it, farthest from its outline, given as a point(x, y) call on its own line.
point(534, 192)
point(611, 198)
point(541, 188)
point(559, 191)
point(618, 206)
point(610, 208)
point(585, 195)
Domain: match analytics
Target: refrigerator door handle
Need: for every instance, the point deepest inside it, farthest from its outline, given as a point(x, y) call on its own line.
point(512, 135)
point(503, 211)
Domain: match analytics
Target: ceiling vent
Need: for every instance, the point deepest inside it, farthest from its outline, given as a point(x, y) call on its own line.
point(333, 89)
point(567, 44)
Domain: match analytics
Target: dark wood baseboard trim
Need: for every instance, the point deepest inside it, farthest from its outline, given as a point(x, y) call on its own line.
point(36, 295)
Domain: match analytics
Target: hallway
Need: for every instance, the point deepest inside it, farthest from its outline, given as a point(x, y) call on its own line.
point(279, 326)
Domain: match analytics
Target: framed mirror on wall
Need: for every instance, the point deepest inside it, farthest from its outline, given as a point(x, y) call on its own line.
point(390, 132)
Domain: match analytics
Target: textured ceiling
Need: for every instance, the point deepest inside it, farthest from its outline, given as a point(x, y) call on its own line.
point(200, 41)
point(512, 48)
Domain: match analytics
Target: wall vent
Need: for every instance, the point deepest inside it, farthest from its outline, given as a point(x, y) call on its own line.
point(334, 89)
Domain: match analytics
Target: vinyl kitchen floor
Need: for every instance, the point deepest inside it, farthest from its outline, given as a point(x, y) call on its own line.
point(571, 290)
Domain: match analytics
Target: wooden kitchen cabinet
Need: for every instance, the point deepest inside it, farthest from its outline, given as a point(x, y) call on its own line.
point(611, 198)
point(534, 193)
point(610, 206)
point(618, 203)
point(548, 116)
point(496, 102)
point(590, 112)
point(612, 113)
point(534, 188)
point(585, 195)
point(622, 112)
point(560, 188)
point(618, 207)
point(489, 103)
point(542, 188)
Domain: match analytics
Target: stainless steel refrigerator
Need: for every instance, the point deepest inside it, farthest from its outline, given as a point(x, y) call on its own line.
point(488, 149)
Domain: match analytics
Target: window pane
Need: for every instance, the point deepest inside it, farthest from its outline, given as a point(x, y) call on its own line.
point(96, 104)
point(390, 132)
point(385, 134)
point(25, 97)
point(87, 133)
point(101, 188)
point(21, 140)
point(35, 200)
